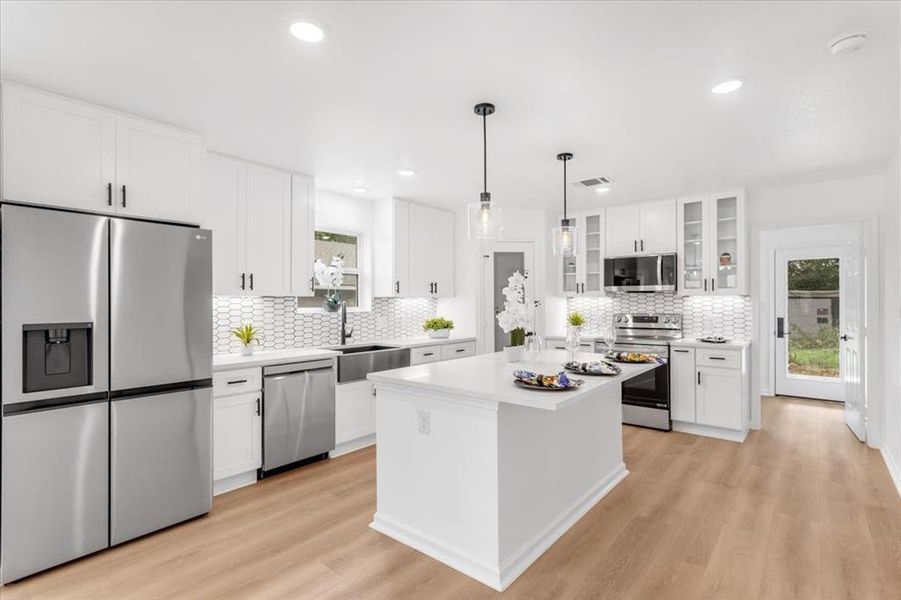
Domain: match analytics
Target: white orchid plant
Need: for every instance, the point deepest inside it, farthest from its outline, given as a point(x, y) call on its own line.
point(516, 317)
point(330, 277)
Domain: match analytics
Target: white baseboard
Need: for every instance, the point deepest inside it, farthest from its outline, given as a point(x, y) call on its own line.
point(499, 576)
point(523, 558)
point(893, 468)
point(352, 446)
point(730, 435)
point(234, 482)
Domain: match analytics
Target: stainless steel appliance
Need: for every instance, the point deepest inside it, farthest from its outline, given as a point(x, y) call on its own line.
point(648, 273)
point(298, 412)
point(106, 382)
point(646, 397)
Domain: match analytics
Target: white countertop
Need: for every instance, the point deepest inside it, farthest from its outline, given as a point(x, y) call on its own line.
point(696, 343)
point(490, 377)
point(264, 358)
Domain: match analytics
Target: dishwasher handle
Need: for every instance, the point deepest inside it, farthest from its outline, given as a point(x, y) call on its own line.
point(299, 367)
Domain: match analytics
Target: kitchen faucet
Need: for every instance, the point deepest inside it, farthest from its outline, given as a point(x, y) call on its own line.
point(344, 332)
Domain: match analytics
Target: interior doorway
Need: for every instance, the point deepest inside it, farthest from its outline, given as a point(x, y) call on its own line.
point(502, 259)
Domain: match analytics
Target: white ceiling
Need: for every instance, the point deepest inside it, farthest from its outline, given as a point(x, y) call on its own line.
point(624, 86)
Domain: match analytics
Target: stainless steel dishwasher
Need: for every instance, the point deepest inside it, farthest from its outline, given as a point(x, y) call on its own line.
point(298, 413)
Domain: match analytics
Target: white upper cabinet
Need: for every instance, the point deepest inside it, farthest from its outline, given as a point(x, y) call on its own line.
point(641, 228)
point(712, 241)
point(267, 219)
point(582, 274)
point(69, 154)
point(623, 229)
point(57, 152)
point(414, 251)
point(158, 170)
point(262, 220)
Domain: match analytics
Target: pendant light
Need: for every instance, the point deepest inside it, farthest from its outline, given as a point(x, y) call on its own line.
point(484, 217)
point(566, 237)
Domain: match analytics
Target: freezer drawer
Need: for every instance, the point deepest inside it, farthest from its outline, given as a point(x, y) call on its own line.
point(161, 461)
point(161, 310)
point(55, 487)
point(298, 412)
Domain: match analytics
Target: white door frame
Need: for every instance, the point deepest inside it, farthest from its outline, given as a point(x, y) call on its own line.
point(486, 287)
point(864, 233)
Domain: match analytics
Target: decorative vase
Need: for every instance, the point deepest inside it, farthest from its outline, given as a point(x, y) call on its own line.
point(514, 353)
point(439, 333)
point(573, 339)
point(247, 350)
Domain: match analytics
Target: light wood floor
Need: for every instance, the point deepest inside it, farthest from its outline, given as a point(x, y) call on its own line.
point(800, 510)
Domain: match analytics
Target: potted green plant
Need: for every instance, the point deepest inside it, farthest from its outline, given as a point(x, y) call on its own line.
point(248, 335)
point(438, 327)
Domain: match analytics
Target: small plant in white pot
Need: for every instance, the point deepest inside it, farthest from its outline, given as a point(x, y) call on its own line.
point(248, 335)
point(438, 327)
point(516, 317)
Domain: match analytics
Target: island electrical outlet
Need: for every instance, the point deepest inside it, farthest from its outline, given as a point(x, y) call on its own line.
point(425, 422)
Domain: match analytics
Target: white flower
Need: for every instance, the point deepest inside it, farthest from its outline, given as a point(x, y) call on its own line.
point(516, 314)
point(329, 277)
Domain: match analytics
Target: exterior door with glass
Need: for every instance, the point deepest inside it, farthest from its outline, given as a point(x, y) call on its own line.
point(819, 327)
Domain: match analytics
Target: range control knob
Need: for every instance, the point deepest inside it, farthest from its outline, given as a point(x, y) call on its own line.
point(666, 319)
point(619, 319)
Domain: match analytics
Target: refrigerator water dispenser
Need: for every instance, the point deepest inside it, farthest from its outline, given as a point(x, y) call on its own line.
point(56, 356)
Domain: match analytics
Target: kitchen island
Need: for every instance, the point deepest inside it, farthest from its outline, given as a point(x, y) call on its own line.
point(485, 476)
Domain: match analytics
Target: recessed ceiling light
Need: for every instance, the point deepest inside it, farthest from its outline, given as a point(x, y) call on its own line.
point(848, 42)
point(361, 189)
point(726, 87)
point(307, 32)
point(406, 172)
point(601, 190)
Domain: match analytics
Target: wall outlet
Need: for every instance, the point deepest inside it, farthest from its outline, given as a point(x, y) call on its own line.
point(425, 422)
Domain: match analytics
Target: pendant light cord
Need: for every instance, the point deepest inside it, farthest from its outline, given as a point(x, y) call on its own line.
point(484, 154)
point(564, 190)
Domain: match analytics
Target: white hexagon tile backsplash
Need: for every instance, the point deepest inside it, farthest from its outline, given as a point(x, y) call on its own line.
point(281, 326)
point(728, 316)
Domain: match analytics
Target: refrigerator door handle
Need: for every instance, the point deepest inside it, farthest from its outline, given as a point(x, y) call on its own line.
point(123, 195)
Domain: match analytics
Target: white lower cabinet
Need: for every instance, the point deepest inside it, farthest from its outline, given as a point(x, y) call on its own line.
point(237, 428)
point(709, 391)
point(354, 411)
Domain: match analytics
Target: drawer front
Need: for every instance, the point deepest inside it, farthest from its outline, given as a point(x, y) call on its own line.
point(560, 344)
point(238, 381)
point(451, 351)
point(425, 354)
point(730, 359)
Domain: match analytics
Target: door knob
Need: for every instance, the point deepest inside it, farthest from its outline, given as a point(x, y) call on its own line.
point(845, 338)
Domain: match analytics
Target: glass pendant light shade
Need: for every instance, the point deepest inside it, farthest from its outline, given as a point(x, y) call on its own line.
point(566, 238)
point(484, 218)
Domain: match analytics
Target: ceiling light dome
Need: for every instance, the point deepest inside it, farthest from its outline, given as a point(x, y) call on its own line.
point(727, 87)
point(406, 172)
point(307, 32)
point(848, 42)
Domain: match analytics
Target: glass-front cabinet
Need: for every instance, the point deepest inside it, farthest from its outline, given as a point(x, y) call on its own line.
point(582, 274)
point(712, 231)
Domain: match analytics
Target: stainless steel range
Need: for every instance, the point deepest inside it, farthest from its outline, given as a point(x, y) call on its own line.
point(646, 398)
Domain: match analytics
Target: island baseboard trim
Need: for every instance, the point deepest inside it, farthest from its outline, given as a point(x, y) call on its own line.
point(529, 552)
point(439, 550)
point(730, 435)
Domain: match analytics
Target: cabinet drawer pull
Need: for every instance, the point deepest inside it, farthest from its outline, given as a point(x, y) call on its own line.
point(460, 350)
point(123, 195)
point(717, 357)
point(428, 354)
point(685, 351)
point(237, 381)
point(109, 194)
point(559, 347)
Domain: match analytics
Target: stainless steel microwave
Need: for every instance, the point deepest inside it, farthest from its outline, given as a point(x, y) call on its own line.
point(648, 273)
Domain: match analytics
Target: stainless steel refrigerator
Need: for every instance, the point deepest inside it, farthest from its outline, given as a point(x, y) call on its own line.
point(106, 386)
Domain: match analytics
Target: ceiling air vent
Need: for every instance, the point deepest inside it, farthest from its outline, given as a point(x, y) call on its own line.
point(592, 182)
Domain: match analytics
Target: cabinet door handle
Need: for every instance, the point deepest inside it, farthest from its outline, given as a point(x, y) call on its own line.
point(258, 407)
point(237, 381)
point(685, 351)
point(251, 281)
point(699, 378)
point(109, 194)
point(436, 287)
point(123, 195)
point(712, 284)
point(634, 245)
point(312, 284)
point(642, 245)
point(397, 286)
point(705, 284)
point(243, 277)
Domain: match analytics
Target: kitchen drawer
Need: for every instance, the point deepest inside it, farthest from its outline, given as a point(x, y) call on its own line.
point(451, 351)
point(560, 344)
point(729, 359)
point(425, 354)
point(238, 381)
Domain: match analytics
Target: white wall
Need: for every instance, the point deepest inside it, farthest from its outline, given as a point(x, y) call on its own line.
point(890, 231)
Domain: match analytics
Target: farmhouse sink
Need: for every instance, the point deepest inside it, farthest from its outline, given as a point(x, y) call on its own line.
point(355, 362)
